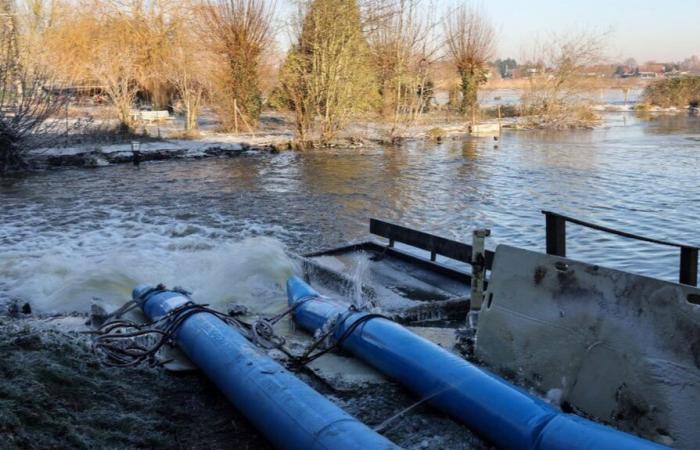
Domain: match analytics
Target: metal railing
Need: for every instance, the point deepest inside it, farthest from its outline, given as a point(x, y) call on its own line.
point(436, 245)
point(556, 243)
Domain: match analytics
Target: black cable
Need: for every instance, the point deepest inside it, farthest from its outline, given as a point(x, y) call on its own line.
point(116, 340)
point(308, 357)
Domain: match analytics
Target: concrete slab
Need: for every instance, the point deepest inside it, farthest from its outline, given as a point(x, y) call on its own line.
point(346, 374)
point(444, 337)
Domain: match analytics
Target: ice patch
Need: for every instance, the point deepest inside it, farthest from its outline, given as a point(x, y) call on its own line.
point(554, 396)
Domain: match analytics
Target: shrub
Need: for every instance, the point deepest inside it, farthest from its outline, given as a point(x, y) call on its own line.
point(26, 105)
point(678, 92)
point(436, 134)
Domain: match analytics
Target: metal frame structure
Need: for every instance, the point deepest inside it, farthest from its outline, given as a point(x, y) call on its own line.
point(556, 243)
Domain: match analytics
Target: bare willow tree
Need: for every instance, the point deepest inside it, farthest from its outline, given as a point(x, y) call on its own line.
point(557, 94)
point(115, 63)
point(152, 26)
point(188, 71)
point(188, 64)
point(96, 44)
point(240, 32)
point(27, 106)
point(471, 40)
point(403, 50)
point(327, 76)
point(35, 19)
point(26, 101)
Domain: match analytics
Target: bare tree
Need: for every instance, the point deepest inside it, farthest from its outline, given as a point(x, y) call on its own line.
point(403, 50)
point(114, 63)
point(69, 43)
point(11, 63)
point(188, 73)
point(96, 43)
point(25, 118)
point(153, 25)
point(556, 96)
point(241, 32)
point(26, 105)
point(471, 40)
point(35, 18)
point(188, 63)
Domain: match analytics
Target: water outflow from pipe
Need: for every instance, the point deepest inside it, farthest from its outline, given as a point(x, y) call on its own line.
point(288, 412)
point(505, 415)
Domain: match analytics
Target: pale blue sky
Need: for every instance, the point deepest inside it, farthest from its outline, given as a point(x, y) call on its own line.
point(643, 29)
point(659, 30)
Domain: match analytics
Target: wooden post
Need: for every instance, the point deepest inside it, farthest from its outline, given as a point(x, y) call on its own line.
point(478, 264)
point(235, 115)
point(689, 266)
point(556, 235)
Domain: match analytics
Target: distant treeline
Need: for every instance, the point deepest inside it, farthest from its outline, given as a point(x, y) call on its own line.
point(346, 59)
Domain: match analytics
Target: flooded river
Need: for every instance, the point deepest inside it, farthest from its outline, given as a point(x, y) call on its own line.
point(221, 227)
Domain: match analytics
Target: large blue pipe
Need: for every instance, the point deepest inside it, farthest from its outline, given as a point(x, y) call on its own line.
point(505, 415)
point(288, 412)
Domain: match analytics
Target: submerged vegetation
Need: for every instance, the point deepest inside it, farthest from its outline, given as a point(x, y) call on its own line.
point(558, 99)
point(681, 92)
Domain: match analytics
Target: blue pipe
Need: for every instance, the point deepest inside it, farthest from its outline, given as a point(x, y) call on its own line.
point(505, 415)
point(288, 412)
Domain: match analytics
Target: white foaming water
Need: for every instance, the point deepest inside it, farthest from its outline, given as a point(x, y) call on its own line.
point(251, 272)
point(359, 278)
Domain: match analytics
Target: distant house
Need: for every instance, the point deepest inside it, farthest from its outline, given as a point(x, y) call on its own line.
point(641, 74)
point(599, 71)
point(652, 70)
point(676, 74)
point(524, 72)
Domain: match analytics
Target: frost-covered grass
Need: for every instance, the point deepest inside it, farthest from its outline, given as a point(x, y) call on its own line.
point(54, 393)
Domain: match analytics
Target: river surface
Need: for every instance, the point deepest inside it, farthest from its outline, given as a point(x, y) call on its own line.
point(222, 227)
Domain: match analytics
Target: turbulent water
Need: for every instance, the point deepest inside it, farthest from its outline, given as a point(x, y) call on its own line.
point(222, 227)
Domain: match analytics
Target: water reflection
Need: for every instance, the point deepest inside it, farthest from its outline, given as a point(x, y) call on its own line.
point(641, 176)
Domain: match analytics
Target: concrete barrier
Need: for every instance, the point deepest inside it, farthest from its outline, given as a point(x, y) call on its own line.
point(620, 347)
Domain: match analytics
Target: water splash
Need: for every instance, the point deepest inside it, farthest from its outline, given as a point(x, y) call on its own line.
point(251, 272)
point(359, 277)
